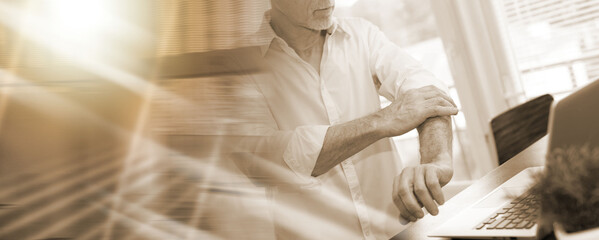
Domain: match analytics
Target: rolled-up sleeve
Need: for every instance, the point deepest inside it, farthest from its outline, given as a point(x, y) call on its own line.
point(282, 158)
point(395, 69)
point(303, 149)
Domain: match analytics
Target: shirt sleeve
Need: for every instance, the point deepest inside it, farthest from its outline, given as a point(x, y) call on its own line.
point(270, 156)
point(395, 69)
point(303, 149)
point(282, 158)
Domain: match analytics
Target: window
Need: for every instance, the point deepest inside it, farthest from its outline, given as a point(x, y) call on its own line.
point(555, 43)
point(504, 52)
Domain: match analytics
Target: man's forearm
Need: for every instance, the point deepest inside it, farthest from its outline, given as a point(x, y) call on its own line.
point(420, 186)
point(344, 140)
point(415, 108)
point(435, 137)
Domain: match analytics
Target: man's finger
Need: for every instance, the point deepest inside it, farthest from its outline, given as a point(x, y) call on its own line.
point(437, 111)
point(432, 183)
point(422, 192)
point(403, 211)
point(447, 97)
point(398, 203)
point(432, 92)
point(408, 217)
point(406, 194)
point(438, 101)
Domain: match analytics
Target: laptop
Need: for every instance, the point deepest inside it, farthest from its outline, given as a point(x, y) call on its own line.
point(573, 120)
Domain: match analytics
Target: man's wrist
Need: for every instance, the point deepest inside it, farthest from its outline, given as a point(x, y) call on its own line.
point(378, 126)
point(442, 158)
point(444, 164)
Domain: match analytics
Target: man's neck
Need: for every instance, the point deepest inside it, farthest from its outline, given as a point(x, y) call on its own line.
point(299, 38)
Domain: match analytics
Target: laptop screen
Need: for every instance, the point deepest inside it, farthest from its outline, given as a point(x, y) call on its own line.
point(574, 120)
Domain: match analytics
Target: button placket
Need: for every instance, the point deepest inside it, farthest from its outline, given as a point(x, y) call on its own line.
point(356, 194)
point(348, 167)
point(330, 106)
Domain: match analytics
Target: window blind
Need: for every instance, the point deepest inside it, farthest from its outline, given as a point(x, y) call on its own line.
point(199, 26)
point(556, 43)
point(198, 39)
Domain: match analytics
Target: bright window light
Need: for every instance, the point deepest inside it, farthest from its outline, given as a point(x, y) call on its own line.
point(76, 19)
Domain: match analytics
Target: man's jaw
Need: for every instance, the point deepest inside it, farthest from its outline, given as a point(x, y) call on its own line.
point(320, 24)
point(322, 19)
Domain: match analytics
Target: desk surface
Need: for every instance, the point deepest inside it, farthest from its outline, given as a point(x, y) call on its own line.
point(530, 157)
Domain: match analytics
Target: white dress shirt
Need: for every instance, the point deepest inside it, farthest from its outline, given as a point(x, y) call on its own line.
point(352, 200)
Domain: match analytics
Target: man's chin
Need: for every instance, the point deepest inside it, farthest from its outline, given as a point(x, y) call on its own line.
point(320, 25)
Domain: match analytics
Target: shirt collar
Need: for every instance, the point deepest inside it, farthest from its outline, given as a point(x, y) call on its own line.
point(266, 34)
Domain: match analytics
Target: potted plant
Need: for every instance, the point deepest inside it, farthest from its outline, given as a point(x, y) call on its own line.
point(568, 192)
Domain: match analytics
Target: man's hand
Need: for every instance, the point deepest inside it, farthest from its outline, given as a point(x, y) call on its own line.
point(421, 186)
point(413, 109)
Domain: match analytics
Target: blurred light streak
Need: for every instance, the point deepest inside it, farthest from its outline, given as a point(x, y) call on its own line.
point(202, 197)
point(66, 220)
point(144, 179)
point(16, 188)
point(90, 116)
point(304, 217)
point(99, 204)
point(138, 141)
point(58, 101)
point(141, 213)
point(49, 97)
point(34, 29)
point(165, 208)
point(146, 229)
point(14, 58)
point(67, 184)
point(136, 144)
point(342, 203)
point(101, 174)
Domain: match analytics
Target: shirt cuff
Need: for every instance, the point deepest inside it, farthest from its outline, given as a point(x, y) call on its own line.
point(420, 79)
point(302, 152)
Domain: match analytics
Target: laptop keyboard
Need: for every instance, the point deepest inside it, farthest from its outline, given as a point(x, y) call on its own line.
point(521, 213)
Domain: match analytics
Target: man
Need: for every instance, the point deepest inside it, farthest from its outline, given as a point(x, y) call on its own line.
point(338, 173)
